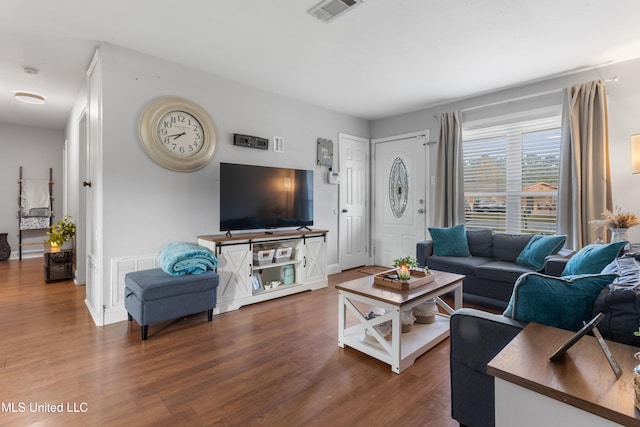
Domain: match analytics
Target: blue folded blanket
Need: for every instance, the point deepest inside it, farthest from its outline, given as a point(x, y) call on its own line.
point(178, 259)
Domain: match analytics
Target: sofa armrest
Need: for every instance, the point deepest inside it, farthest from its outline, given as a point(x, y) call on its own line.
point(554, 265)
point(424, 249)
point(476, 337)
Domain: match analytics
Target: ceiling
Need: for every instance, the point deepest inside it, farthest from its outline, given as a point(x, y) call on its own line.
point(382, 58)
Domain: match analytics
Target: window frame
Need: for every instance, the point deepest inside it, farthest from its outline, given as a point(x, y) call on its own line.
point(511, 131)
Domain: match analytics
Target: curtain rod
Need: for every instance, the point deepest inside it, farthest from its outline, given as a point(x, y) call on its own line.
point(507, 101)
point(522, 98)
point(400, 138)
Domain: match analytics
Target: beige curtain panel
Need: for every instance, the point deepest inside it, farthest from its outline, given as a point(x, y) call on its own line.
point(585, 180)
point(449, 191)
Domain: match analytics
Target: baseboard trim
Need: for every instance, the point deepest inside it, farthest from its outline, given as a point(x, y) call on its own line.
point(96, 315)
point(333, 269)
point(115, 314)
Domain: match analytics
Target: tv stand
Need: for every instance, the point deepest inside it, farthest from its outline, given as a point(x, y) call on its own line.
point(304, 227)
point(228, 233)
point(238, 271)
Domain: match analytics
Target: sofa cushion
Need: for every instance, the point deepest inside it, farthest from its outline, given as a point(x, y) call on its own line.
point(450, 241)
point(458, 265)
point(507, 247)
point(593, 258)
point(480, 242)
point(562, 302)
point(539, 248)
point(501, 271)
point(620, 302)
point(621, 309)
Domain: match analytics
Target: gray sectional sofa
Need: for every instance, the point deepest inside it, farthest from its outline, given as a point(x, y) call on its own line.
point(476, 336)
point(472, 389)
point(491, 270)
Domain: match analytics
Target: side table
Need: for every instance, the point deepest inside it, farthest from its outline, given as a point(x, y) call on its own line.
point(58, 265)
point(580, 390)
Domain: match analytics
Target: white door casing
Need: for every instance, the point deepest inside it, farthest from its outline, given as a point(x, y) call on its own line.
point(401, 195)
point(354, 210)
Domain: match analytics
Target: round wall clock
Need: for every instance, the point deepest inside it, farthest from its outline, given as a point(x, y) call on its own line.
point(178, 134)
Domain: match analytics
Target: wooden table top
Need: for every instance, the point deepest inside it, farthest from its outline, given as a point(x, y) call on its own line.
point(583, 378)
point(364, 286)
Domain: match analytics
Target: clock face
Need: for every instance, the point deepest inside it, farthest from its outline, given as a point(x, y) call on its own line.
point(178, 134)
point(181, 134)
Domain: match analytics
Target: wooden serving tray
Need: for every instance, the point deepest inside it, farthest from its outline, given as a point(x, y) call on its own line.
point(418, 278)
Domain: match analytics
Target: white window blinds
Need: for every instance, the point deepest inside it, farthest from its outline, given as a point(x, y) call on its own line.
point(511, 176)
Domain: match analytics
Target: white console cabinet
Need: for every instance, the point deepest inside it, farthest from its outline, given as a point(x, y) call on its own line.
point(238, 270)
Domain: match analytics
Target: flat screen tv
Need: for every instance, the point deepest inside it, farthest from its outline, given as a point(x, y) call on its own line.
point(261, 197)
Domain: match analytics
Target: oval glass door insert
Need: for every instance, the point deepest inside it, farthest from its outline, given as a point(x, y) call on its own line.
point(398, 187)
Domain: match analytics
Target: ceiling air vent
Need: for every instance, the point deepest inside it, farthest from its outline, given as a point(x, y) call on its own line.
point(327, 10)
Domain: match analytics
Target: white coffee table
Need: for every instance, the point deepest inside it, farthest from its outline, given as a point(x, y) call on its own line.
point(360, 295)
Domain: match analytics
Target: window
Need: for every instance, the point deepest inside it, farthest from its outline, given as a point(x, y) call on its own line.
point(511, 176)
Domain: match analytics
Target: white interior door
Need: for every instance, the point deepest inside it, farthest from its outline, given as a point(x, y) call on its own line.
point(400, 196)
point(93, 195)
point(353, 201)
point(93, 293)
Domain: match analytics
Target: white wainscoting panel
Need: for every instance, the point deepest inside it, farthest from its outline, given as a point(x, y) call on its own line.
point(120, 267)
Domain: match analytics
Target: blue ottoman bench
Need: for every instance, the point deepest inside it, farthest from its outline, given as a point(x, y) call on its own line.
point(154, 296)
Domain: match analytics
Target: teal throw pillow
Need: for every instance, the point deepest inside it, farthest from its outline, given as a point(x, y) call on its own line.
point(538, 249)
point(593, 258)
point(451, 241)
point(562, 302)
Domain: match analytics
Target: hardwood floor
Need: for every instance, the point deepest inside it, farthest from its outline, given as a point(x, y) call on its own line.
point(276, 363)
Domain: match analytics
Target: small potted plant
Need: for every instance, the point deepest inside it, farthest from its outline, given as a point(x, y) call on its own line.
point(61, 233)
point(404, 266)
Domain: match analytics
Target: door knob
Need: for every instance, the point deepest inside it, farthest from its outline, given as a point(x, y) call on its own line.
point(421, 211)
point(86, 183)
point(344, 211)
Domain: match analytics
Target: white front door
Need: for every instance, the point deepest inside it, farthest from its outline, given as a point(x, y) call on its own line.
point(353, 201)
point(401, 202)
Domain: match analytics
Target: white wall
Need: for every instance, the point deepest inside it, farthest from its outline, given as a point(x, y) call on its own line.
point(36, 150)
point(147, 206)
point(624, 120)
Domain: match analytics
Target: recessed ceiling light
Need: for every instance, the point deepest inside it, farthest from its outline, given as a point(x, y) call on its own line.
point(29, 97)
